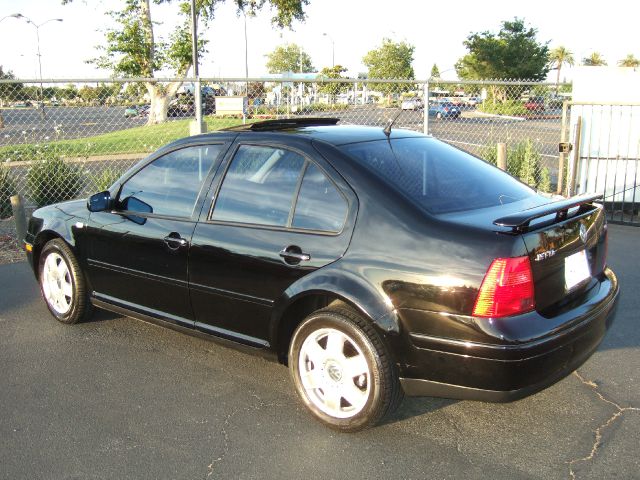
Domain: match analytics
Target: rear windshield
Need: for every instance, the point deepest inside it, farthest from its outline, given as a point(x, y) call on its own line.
point(437, 176)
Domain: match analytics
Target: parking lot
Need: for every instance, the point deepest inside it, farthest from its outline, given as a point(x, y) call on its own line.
point(119, 398)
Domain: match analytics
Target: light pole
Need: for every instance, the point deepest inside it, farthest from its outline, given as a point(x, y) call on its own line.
point(13, 15)
point(333, 49)
point(37, 27)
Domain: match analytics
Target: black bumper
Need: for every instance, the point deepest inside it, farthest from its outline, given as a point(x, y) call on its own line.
point(507, 372)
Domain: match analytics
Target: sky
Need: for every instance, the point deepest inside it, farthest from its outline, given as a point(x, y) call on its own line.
point(353, 27)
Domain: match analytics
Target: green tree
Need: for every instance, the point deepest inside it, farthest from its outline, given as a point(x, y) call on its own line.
point(133, 48)
point(594, 60)
point(513, 53)
point(392, 60)
point(332, 88)
point(8, 91)
point(557, 58)
point(435, 71)
point(289, 58)
point(629, 61)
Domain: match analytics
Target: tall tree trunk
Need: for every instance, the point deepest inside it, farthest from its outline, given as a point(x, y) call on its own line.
point(160, 96)
point(558, 78)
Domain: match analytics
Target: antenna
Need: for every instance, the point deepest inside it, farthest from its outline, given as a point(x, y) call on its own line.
point(387, 129)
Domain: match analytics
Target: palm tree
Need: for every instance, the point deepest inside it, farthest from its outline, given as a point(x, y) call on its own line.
point(594, 60)
point(629, 61)
point(558, 57)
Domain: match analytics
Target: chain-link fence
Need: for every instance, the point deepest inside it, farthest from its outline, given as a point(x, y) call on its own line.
point(62, 139)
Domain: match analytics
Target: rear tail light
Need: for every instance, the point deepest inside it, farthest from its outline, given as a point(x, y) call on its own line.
point(507, 289)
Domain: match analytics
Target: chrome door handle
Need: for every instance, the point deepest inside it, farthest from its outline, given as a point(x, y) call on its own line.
point(294, 255)
point(177, 241)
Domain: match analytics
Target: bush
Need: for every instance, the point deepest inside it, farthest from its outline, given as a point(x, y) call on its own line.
point(7, 189)
point(508, 107)
point(51, 180)
point(107, 177)
point(523, 162)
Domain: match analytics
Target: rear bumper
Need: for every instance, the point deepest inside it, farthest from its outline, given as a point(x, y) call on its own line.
point(507, 372)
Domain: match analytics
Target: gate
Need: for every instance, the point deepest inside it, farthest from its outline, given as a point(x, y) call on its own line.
point(605, 156)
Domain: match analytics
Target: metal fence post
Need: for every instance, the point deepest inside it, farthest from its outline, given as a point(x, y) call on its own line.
point(501, 156)
point(573, 167)
point(563, 139)
point(425, 109)
point(19, 217)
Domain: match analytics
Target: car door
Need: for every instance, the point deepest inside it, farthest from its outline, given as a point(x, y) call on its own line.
point(137, 255)
point(278, 215)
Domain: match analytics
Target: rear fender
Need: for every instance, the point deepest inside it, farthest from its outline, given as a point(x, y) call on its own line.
point(343, 284)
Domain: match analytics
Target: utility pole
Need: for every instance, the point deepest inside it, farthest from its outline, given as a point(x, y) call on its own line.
point(199, 126)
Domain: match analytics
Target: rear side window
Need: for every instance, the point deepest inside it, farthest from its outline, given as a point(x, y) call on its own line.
point(436, 176)
point(320, 205)
point(259, 186)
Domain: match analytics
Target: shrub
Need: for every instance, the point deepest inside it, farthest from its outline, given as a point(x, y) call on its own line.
point(52, 180)
point(508, 107)
point(523, 162)
point(7, 189)
point(105, 178)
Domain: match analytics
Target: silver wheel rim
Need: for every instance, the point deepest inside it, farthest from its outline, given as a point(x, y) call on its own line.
point(56, 283)
point(334, 373)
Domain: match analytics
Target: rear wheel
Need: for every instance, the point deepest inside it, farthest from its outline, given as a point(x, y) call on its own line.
point(342, 371)
point(62, 283)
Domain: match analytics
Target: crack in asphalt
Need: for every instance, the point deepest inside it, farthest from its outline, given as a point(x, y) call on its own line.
point(598, 431)
point(225, 434)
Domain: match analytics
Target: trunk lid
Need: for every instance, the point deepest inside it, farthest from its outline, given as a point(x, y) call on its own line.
point(566, 244)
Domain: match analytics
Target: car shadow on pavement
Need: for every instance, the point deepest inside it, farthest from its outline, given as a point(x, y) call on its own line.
point(412, 407)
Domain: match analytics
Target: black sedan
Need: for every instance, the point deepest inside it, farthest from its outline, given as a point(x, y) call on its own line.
point(374, 263)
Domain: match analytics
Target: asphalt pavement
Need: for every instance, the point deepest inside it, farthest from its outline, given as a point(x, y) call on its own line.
point(120, 398)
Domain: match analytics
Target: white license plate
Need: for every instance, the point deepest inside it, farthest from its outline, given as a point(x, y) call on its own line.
point(576, 269)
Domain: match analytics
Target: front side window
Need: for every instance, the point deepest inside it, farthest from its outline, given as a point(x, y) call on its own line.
point(170, 184)
point(320, 205)
point(259, 186)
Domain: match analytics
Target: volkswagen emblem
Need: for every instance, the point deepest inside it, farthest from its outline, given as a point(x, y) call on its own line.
point(583, 233)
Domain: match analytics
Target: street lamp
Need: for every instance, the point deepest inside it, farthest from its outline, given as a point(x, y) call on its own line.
point(333, 49)
point(13, 15)
point(37, 27)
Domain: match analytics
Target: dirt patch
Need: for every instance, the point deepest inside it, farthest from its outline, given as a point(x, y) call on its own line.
point(10, 250)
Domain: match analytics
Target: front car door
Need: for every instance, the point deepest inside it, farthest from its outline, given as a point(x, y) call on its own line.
point(138, 252)
point(278, 215)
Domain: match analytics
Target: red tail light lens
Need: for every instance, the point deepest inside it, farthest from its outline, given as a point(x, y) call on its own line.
point(507, 289)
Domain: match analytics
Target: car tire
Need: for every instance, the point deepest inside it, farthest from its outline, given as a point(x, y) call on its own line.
point(342, 370)
point(62, 283)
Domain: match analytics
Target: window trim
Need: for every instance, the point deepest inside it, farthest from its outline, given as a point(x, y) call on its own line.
point(287, 228)
point(204, 188)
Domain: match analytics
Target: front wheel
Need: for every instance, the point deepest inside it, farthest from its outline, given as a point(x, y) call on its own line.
point(342, 370)
point(62, 283)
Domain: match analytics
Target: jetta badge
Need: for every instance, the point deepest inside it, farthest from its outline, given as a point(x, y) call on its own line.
point(544, 255)
point(583, 233)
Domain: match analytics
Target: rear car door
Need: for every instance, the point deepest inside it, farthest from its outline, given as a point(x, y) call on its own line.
point(279, 214)
point(138, 252)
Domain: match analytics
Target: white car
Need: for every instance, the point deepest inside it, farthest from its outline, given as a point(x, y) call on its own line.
point(412, 104)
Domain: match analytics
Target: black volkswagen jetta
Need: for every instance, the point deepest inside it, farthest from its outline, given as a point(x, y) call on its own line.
point(373, 263)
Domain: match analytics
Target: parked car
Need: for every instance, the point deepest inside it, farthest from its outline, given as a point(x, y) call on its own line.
point(131, 112)
point(444, 110)
point(374, 263)
point(535, 104)
point(412, 104)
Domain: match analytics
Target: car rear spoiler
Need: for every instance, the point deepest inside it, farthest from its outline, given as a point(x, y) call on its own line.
point(519, 222)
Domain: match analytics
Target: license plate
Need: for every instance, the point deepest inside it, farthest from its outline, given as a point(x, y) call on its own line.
point(576, 269)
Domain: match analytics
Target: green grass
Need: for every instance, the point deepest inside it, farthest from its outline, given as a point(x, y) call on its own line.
point(143, 139)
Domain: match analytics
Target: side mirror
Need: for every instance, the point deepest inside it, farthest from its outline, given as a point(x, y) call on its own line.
point(99, 202)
